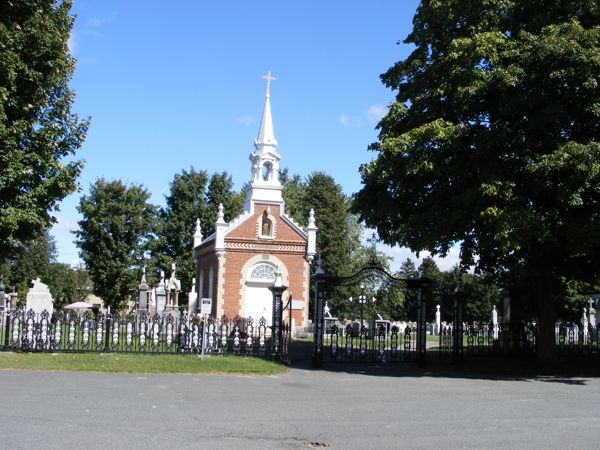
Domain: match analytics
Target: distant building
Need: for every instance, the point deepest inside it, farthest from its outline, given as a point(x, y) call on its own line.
point(236, 265)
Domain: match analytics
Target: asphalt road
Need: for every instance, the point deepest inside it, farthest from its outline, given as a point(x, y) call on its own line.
point(404, 409)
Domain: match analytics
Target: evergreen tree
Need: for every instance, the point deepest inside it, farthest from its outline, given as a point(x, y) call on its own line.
point(193, 195)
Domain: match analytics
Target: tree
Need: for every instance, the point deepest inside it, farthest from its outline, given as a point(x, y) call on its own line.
point(38, 132)
point(193, 195)
point(32, 261)
point(37, 259)
point(113, 237)
point(493, 142)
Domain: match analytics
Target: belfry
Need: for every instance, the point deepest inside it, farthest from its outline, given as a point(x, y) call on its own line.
point(236, 265)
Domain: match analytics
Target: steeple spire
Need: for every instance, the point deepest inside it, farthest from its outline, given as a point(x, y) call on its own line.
point(266, 135)
point(265, 185)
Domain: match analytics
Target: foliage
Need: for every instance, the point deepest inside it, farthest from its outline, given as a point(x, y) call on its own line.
point(113, 237)
point(193, 195)
point(37, 259)
point(38, 132)
point(338, 235)
point(493, 142)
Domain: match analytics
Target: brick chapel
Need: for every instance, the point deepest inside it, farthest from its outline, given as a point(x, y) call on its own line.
point(236, 265)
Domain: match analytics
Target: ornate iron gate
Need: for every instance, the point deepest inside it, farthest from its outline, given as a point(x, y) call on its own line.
point(380, 343)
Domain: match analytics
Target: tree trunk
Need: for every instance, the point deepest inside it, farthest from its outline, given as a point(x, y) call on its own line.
point(546, 340)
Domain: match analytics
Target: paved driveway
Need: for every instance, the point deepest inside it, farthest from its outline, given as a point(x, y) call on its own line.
point(303, 409)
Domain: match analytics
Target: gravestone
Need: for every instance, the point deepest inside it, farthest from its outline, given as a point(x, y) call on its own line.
point(161, 294)
point(438, 322)
point(39, 298)
point(193, 299)
point(143, 290)
point(495, 322)
point(592, 314)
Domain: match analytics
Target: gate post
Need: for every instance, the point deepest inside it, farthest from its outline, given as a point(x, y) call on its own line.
point(319, 317)
point(457, 348)
point(277, 289)
point(422, 285)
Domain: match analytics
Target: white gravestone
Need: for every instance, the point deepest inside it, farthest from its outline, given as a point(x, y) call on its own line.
point(161, 294)
point(193, 299)
point(39, 298)
point(592, 314)
point(495, 322)
point(438, 322)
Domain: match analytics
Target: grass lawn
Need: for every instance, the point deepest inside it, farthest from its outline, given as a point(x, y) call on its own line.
point(132, 363)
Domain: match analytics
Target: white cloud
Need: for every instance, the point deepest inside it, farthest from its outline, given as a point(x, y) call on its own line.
point(65, 225)
point(350, 121)
point(95, 22)
point(375, 112)
point(245, 120)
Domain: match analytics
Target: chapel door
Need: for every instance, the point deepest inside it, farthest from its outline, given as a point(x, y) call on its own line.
point(258, 298)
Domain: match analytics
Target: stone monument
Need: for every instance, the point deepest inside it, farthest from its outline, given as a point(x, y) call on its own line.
point(592, 314)
point(143, 291)
point(495, 322)
point(193, 299)
point(39, 298)
point(172, 293)
point(161, 294)
point(438, 317)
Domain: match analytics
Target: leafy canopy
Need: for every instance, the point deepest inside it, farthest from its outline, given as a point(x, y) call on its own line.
point(494, 138)
point(38, 132)
point(193, 195)
point(113, 237)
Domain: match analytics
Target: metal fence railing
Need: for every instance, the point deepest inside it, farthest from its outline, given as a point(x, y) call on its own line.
point(70, 331)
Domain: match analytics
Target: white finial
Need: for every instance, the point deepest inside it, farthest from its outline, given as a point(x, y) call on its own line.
point(198, 230)
point(311, 217)
point(220, 214)
point(269, 78)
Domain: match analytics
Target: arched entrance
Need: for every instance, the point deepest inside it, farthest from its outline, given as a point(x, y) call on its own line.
point(258, 297)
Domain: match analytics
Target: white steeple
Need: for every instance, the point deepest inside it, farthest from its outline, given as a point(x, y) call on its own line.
point(265, 185)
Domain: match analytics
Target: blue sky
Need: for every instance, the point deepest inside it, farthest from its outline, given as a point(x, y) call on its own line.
point(173, 85)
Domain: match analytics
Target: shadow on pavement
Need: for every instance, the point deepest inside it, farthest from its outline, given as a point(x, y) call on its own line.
point(567, 369)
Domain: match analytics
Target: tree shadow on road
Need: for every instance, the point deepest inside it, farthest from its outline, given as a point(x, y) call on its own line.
point(567, 369)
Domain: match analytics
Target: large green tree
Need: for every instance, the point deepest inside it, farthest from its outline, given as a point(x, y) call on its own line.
point(193, 195)
point(493, 142)
point(38, 132)
point(113, 238)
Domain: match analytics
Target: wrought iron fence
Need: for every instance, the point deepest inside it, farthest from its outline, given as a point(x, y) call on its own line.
point(137, 333)
point(487, 338)
point(573, 337)
point(380, 345)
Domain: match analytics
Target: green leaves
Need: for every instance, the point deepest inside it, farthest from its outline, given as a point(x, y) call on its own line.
point(114, 236)
point(493, 138)
point(37, 129)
